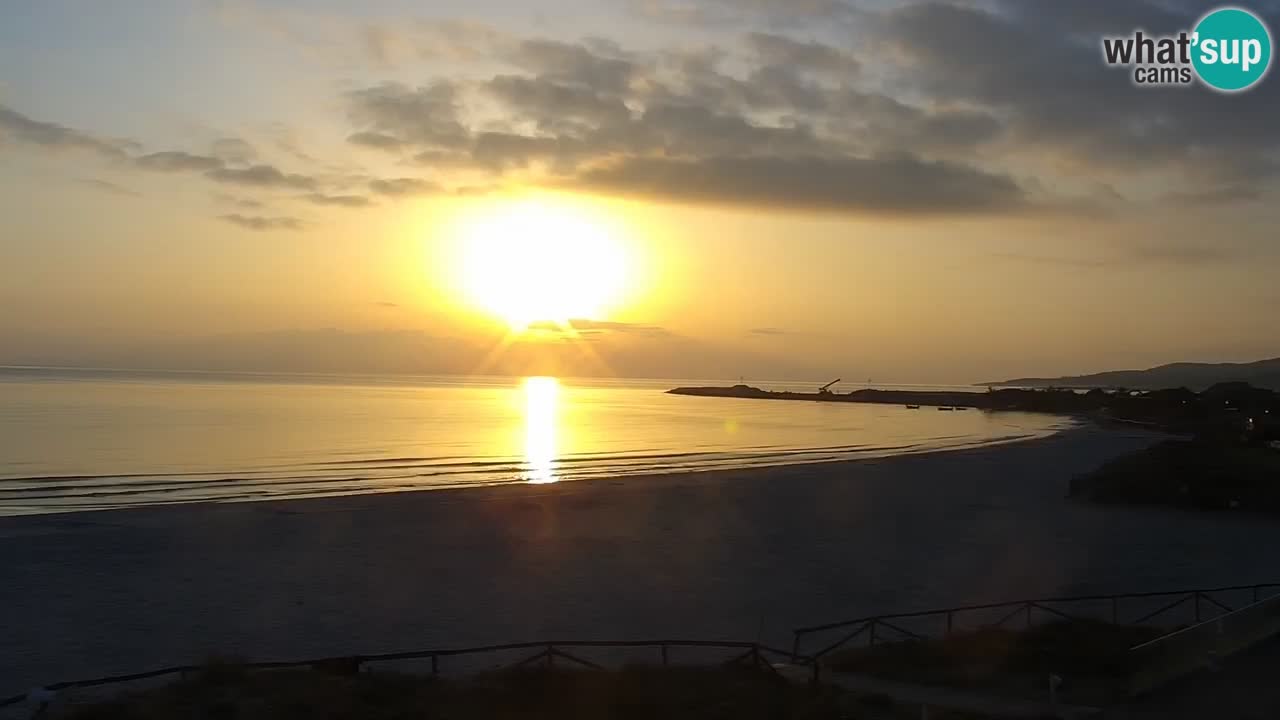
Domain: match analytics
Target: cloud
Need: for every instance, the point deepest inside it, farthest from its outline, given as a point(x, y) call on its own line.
point(386, 304)
point(393, 114)
point(1139, 255)
point(677, 126)
point(895, 184)
point(957, 113)
point(1089, 118)
point(21, 128)
point(260, 223)
point(781, 50)
point(176, 161)
point(1182, 253)
point(603, 67)
point(233, 150)
point(400, 187)
point(260, 176)
point(263, 176)
point(722, 13)
point(555, 105)
point(108, 187)
point(350, 201)
point(240, 202)
point(377, 140)
point(768, 331)
point(583, 326)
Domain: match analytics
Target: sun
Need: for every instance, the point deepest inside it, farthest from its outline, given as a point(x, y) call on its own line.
point(538, 261)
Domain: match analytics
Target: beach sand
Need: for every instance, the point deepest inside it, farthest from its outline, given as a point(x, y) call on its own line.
point(729, 555)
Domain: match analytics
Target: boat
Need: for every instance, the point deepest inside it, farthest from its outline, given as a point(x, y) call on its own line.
point(946, 409)
point(913, 407)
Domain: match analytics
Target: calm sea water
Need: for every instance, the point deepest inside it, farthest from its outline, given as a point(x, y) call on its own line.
point(93, 439)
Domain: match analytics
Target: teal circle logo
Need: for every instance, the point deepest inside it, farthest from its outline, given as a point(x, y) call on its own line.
point(1231, 49)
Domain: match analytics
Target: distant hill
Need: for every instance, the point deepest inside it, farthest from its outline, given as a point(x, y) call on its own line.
point(1196, 376)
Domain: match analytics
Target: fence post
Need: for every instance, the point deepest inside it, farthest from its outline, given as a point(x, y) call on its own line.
point(949, 619)
point(664, 656)
point(795, 648)
point(873, 633)
point(1028, 616)
point(551, 656)
point(435, 664)
point(1255, 593)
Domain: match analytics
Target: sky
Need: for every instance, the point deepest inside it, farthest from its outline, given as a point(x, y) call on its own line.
point(937, 192)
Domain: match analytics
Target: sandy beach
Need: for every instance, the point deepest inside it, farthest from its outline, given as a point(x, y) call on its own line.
point(735, 554)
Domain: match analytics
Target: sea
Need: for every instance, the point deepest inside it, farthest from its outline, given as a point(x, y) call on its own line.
point(76, 439)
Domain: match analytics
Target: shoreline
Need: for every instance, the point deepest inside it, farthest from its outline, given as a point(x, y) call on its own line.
point(1083, 424)
point(738, 553)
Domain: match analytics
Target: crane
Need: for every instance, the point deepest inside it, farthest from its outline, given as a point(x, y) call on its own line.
point(826, 389)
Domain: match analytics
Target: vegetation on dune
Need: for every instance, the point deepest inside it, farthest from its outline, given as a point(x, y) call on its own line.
point(1190, 474)
point(1088, 655)
point(224, 692)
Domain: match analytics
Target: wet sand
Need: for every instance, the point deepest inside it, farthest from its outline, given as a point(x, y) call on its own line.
point(731, 555)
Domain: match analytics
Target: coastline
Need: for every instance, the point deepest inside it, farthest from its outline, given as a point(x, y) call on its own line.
point(733, 553)
point(523, 488)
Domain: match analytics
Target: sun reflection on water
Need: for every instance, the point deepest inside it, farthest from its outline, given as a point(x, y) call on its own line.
point(541, 406)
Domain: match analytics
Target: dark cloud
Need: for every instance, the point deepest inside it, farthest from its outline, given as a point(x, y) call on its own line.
point(1142, 255)
point(896, 184)
point(1058, 97)
point(963, 97)
point(260, 223)
point(21, 128)
point(1081, 263)
point(108, 187)
point(258, 176)
point(380, 141)
point(262, 176)
point(234, 151)
point(556, 106)
point(393, 113)
point(1182, 253)
point(349, 201)
point(400, 187)
point(721, 13)
point(176, 161)
point(781, 50)
point(503, 151)
point(593, 115)
point(602, 67)
point(240, 202)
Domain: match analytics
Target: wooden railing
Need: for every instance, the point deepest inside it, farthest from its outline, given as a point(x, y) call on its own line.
point(1198, 605)
point(548, 653)
point(1201, 604)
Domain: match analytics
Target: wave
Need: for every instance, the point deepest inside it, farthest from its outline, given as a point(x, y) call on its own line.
point(59, 493)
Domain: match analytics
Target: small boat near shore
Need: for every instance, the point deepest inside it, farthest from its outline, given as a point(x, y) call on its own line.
point(913, 407)
point(945, 409)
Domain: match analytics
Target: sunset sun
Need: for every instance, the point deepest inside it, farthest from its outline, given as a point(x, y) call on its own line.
point(535, 262)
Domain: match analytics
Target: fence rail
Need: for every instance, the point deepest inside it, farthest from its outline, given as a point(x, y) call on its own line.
point(549, 651)
point(1199, 604)
point(874, 628)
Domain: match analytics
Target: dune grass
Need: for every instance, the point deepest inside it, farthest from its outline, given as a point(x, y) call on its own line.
point(1088, 655)
point(223, 691)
